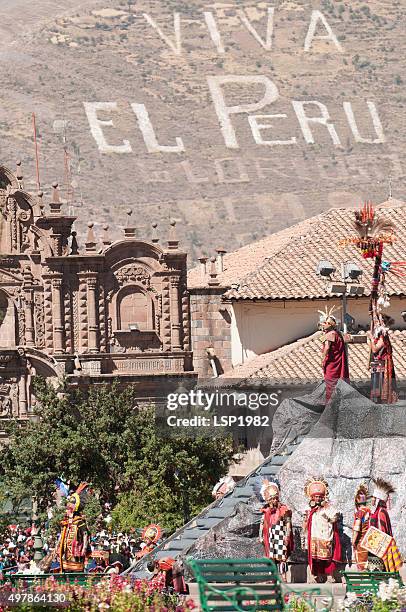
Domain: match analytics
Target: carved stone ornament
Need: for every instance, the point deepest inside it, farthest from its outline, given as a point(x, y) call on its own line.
point(39, 319)
point(21, 322)
point(5, 406)
point(133, 274)
point(9, 398)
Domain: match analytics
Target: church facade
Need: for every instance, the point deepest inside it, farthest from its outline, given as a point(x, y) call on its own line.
point(109, 310)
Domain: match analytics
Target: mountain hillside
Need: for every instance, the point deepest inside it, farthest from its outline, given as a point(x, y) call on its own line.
point(177, 140)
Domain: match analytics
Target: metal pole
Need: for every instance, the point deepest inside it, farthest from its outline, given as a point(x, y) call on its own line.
point(344, 301)
point(36, 151)
point(345, 310)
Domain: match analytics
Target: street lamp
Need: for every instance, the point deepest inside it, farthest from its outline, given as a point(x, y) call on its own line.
point(349, 285)
point(325, 268)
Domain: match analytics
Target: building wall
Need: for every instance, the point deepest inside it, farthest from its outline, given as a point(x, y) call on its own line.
point(264, 326)
point(211, 327)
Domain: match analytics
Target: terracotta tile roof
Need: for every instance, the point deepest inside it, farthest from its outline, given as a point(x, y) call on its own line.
point(299, 362)
point(248, 258)
point(289, 272)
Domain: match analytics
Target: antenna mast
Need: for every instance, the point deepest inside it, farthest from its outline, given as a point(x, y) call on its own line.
point(36, 151)
point(67, 174)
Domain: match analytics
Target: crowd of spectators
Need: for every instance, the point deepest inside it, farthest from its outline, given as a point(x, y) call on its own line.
point(23, 550)
point(114, 550)
point(17, 548)
point(111, 551)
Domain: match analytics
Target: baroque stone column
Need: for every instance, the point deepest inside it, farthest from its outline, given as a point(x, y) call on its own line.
point(175, 314)
point(57, 313)
point(93, 344)
point(29, 318)
point(22, 404)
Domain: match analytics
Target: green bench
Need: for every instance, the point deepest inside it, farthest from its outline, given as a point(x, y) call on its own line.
point(245, 585)
point(25, 580)
point(368, 582)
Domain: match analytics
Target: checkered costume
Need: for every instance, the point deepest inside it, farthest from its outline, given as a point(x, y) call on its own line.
point(277, 547)
point(276, 532)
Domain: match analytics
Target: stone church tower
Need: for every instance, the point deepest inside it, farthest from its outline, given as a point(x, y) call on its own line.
point(110, 310)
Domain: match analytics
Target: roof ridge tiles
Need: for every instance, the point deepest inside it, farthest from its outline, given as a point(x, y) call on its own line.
point(289, 272)
point(299, 360)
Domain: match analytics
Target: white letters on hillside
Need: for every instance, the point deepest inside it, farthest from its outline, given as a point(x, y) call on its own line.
point(310, 36)
point(323, 119)
point(317, 21)
point(176, 46)
point(375, 121)
point(96, 124)
point(223, 111)
point(213, 31)
point(257, 127)
point(267, 43)
point(148, 133)
point(310, 114)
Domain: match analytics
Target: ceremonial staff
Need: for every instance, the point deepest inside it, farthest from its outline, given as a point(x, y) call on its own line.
point(372, 234)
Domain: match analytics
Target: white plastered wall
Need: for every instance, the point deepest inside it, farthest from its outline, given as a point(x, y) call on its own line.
point(259, 327)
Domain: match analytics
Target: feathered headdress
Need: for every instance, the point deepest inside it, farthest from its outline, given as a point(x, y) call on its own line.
point(369, 227)
point(362, 489)
point(316, 486)
point(225, 485)
point(382, 489)
point(151, 533)
point(266, 487)
point(327, 315)
point(372, 232)
point(80, 496)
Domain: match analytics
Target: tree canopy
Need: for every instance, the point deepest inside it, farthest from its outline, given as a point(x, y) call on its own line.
point(102, 436)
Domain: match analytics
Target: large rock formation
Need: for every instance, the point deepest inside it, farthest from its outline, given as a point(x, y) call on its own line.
point(353, 441)
point(348, 442)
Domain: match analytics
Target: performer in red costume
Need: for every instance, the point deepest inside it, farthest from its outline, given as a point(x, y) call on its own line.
point(380, 517)
point(276, 527)
point(168, 574)
point(334, 359)
point(383, 378)
point(150, 536)
point(320, 524)
point(373, 232)
point(360, 526)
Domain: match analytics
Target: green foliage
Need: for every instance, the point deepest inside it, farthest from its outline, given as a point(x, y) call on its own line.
point(298, 604)
point(104, 438)
point(384, 606)
point(158, 494)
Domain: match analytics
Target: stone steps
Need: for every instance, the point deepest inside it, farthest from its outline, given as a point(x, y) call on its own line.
point(185, 537)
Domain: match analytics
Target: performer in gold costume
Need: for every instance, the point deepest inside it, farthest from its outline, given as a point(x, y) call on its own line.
point(74, 544)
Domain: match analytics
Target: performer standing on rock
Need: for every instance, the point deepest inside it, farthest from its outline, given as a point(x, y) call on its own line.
point(320, 526)
point(276, 527)
point(373, 233)
point(380, 517)
point(334, 354)
point(383, 379)
point(360, 526)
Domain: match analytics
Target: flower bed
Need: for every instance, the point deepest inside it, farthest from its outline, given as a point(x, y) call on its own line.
point(390, 597)
point(114, 593)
